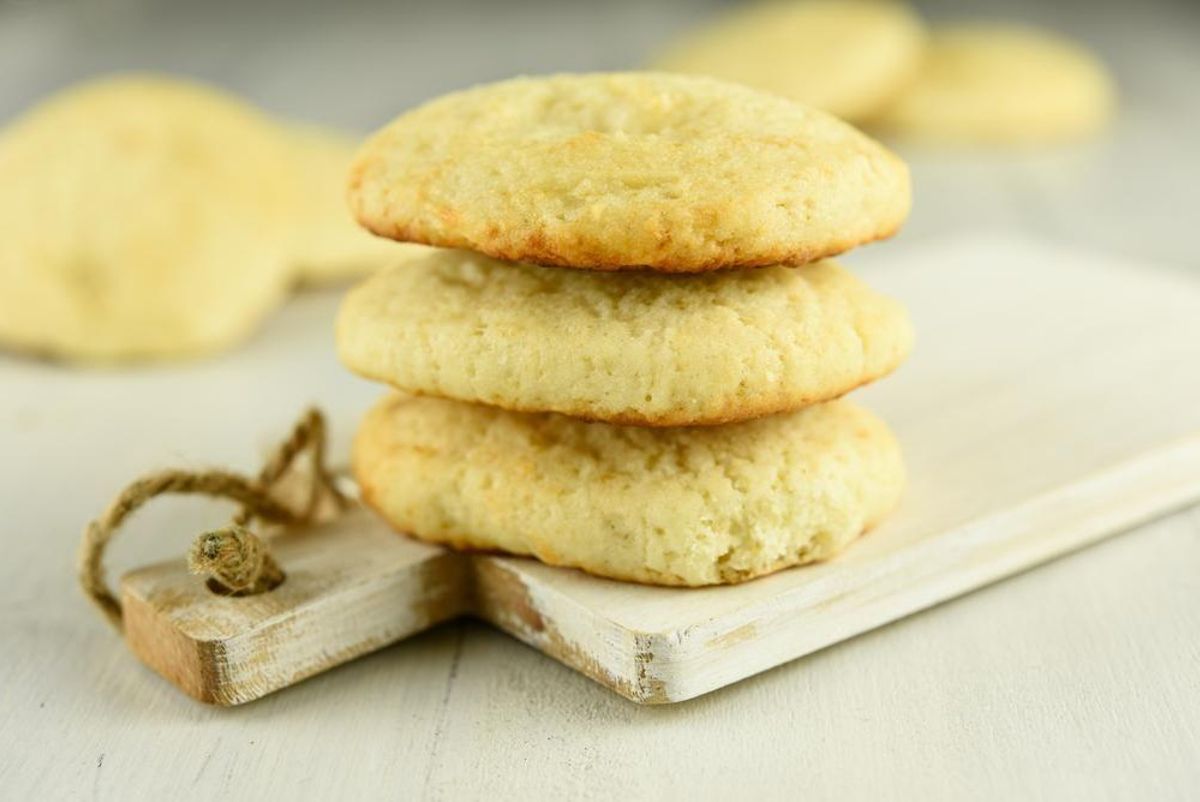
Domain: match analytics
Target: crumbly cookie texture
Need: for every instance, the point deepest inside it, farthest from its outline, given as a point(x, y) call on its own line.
point(847, 57)
point(639, 348)
point(1002, 85)
point(681, 506)
point(672, 173)
point(330, 246)
point(140, 217)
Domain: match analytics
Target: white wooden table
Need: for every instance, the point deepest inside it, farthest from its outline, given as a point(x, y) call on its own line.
point(1080, 679)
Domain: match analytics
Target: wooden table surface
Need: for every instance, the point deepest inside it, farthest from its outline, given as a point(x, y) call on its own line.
point(1080, 679)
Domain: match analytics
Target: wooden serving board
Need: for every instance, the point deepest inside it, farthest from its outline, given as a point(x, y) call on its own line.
point(1053, 399)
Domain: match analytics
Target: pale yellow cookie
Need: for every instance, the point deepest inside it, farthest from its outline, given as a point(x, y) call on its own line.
point(331, 247)
point(612, 171)
point(631, 348)
point(140, 217)
point(848, 57)
point(1002, 84)
point(683, 506)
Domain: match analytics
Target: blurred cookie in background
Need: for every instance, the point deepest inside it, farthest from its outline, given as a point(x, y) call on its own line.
point(1002, 84)
point(331, 247)
point(846, 57)
point(140, 217)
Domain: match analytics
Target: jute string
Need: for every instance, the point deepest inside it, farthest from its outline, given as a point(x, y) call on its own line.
point(236, 559)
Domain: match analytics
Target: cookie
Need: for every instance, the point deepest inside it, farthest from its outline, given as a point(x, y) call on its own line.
point(140, 217)
point(993, 84)
point(681, 506)
point(638, 348)
point(330, 246)
point(848, 57)
point(672, 173)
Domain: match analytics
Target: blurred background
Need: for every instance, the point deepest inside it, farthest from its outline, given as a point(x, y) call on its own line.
point(71, 436)
point(1133, 189)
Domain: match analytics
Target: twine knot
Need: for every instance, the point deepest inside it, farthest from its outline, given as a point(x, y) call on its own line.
point(237, 560)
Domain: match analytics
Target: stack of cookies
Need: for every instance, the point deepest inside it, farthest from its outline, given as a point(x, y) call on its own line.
point(627, 353)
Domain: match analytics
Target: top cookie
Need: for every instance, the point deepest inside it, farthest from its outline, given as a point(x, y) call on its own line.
point(847, 57)
point(618, 171)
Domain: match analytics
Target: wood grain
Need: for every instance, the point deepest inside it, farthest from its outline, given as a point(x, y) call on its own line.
point(351, 587)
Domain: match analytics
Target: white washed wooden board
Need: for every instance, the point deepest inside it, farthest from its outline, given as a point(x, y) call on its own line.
point(1054, 400)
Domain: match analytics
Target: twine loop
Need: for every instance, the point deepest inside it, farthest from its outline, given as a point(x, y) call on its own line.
point(237, 561)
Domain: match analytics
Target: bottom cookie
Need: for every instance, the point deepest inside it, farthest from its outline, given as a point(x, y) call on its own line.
point(675, 506)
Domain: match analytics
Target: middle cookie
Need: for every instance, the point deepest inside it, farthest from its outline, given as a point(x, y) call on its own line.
point(636, 348)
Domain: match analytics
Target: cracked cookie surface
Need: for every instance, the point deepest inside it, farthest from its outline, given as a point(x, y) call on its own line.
point(616, 171)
